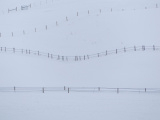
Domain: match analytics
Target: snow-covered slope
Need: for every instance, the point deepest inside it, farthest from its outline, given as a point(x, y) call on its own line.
point(78, 28)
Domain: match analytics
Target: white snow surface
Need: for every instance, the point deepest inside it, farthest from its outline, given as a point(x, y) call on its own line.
point(98, 26)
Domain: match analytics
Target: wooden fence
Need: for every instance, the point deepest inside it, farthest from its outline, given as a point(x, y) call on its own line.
point(78, 57)
point(79, 89)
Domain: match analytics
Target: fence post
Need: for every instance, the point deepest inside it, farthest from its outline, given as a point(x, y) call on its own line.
point(12, 34)
point(156, 5)
point(77, 13)
point(38, 53)
point(111, 9)
point(153, 47)
point(117, 90)
point(99, 88)
point(66, 19)
point(63, 58)
point(143, 48)
point(88, 56)
point(1, 48)
point(46, 27)
point(84, 57)
point(88, 11)
point(106, 52)
point(5, 49)
point(64, 88)
point(124, 49)
point(14, 50)
point(48, 55)
point(134, 48)
point(0, 34)
point(22, 51)
point(145, 90)
point(68, 90)
point(56, 23)
point(116, 51)
point(43, 89)
point(23, 32)
point(98, 54)
point(100, 10)
point(14, 88)
point(35, 30)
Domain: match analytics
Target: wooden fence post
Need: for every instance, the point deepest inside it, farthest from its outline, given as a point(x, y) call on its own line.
point(66, 19)
point(99, 88)
point(14, 50)
point(48, 55)
point(117, 90)
point(1, 48)
point(84, 57)
point(43, 89)
point(111, 9)
point(12, 34)
point(14, 88)
point(56, 23)
point(5, 49)
point(22, 51)
point(88, 11)
point(64, 88)
point(77, 13)
point(68, 90)
point(0, 34)
point(35, 30)
point(143, 48)
point(124, 49)
point(156, 5)
point(116, 51)
point(100, 10)
point(134, 48)
point(46, 27)
point(145, 90)
point(98, 54)
point(153, 47)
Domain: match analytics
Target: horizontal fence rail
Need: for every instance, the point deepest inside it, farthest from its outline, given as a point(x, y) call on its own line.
point(78, 57)
point(79, 89)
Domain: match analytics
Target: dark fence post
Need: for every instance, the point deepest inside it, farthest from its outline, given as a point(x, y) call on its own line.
point(106, 52)
point(124, 49)
point(14, 88)
point(68, 90)
point(117, 90)
point(143, 48)
point(64, 88)
point(43, 89)
point(134, 48)
point(153, 47)
point(84, 57)
point(0, 34)
point(116, 51)
point(14, 50)
point(145, 90)
point(99, 88)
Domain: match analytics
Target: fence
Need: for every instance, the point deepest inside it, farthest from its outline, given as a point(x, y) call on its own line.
point(78, 57)
point(79, 89)
point(56, 23)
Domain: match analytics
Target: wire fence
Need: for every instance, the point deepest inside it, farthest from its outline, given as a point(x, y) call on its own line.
point(79, 89)
point(78, 57)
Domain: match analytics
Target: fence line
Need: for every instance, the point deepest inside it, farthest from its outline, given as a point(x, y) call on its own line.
point(79, 89)
point(77, 14)
point(79, 57)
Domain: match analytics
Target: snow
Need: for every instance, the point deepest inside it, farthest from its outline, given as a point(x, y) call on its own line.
point(100, 25)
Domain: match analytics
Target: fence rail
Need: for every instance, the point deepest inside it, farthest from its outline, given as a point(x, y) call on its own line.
point(78, 89)
point(78, 57)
